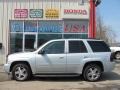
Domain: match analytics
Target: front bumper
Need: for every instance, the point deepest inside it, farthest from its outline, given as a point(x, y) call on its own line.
point(7, 68)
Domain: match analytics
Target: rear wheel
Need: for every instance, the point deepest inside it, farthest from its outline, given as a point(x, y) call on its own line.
point(117, 55)
point(92, 72)
point(21, 72)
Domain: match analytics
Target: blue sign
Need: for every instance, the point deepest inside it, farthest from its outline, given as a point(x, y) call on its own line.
point(50, 27)
point(16, 26)
point(36, 13)
point(30, 26)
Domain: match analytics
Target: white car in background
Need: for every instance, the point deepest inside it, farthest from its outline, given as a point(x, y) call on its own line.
point(116, 51)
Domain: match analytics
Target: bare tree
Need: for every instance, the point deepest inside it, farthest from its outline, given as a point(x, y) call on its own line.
point(104, 32)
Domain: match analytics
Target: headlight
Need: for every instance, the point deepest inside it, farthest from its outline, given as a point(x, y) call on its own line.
point(8, 60)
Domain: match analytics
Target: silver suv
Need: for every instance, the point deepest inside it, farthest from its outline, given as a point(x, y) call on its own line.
point(62, 57)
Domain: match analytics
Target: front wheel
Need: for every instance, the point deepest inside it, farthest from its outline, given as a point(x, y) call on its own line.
point(92, 72)
point(21, 72)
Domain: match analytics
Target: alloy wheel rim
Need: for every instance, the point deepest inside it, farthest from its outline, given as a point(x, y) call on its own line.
point(93, 73)
point(21, 73)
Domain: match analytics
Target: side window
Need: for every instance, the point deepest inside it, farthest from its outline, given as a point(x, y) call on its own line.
point(99, 46)
point(77, 47)
point(56, 47)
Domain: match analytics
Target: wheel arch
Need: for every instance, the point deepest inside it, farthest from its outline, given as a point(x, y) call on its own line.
point(99, 63)
point(18, 62)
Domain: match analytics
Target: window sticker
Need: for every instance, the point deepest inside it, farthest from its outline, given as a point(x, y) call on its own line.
point(16, 26)
point(51, 27)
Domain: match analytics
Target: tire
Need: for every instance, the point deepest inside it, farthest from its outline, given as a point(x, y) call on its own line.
point(21, 72)
point(117, 55)
point(92, 72)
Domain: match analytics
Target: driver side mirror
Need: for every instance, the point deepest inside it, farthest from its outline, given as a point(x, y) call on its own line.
point(41, 52)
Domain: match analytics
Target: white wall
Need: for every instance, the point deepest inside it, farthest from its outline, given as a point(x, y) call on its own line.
point(7, 13)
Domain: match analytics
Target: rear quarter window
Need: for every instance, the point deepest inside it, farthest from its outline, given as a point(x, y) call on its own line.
point(99, 46)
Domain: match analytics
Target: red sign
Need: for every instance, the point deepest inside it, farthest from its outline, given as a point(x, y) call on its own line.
point(75, 11)
point(21, 13)
point(75, 28)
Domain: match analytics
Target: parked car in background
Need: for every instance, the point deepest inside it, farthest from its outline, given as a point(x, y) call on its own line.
point(63, 57)
point(116, 52)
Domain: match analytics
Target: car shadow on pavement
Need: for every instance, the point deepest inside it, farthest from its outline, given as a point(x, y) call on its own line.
point(110, 76)
point(106, 76)
point(58, 79)
point(117, 61)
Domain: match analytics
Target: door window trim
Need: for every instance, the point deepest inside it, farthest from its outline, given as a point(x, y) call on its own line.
point(52, 42)
point(77, 52)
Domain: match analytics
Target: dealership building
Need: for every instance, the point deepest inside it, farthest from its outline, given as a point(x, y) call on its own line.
point(26, 24)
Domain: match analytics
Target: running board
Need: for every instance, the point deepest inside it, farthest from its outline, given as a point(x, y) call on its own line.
point(57, 75)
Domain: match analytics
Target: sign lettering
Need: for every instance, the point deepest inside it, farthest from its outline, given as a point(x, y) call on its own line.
point(21, 13)
point(36, 13)
point(16, 26)
point(75, 11)
point(76, 27)
point(51, 27)
point(52, 13)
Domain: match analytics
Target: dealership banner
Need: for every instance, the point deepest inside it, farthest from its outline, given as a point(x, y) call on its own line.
point(30, 26)
point(16, 26)
point(21, 13)
point(50, 27)
point(52, 13)
point(76, 26)
point(36, 13)
point(79, 12)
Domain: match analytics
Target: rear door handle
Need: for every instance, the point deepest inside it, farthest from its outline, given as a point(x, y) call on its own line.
point(86, 57)
point(61, 57)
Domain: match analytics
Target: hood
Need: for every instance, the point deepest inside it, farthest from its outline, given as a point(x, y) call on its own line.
point(20, 56)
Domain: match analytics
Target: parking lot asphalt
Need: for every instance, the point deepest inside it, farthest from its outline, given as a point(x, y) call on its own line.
point(109, 81)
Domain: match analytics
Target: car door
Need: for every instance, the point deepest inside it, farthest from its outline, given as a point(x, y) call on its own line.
point(53, 60)
point(76, 53)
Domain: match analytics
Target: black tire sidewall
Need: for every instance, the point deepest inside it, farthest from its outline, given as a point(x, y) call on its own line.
point(27, 69)
point(86, 70)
